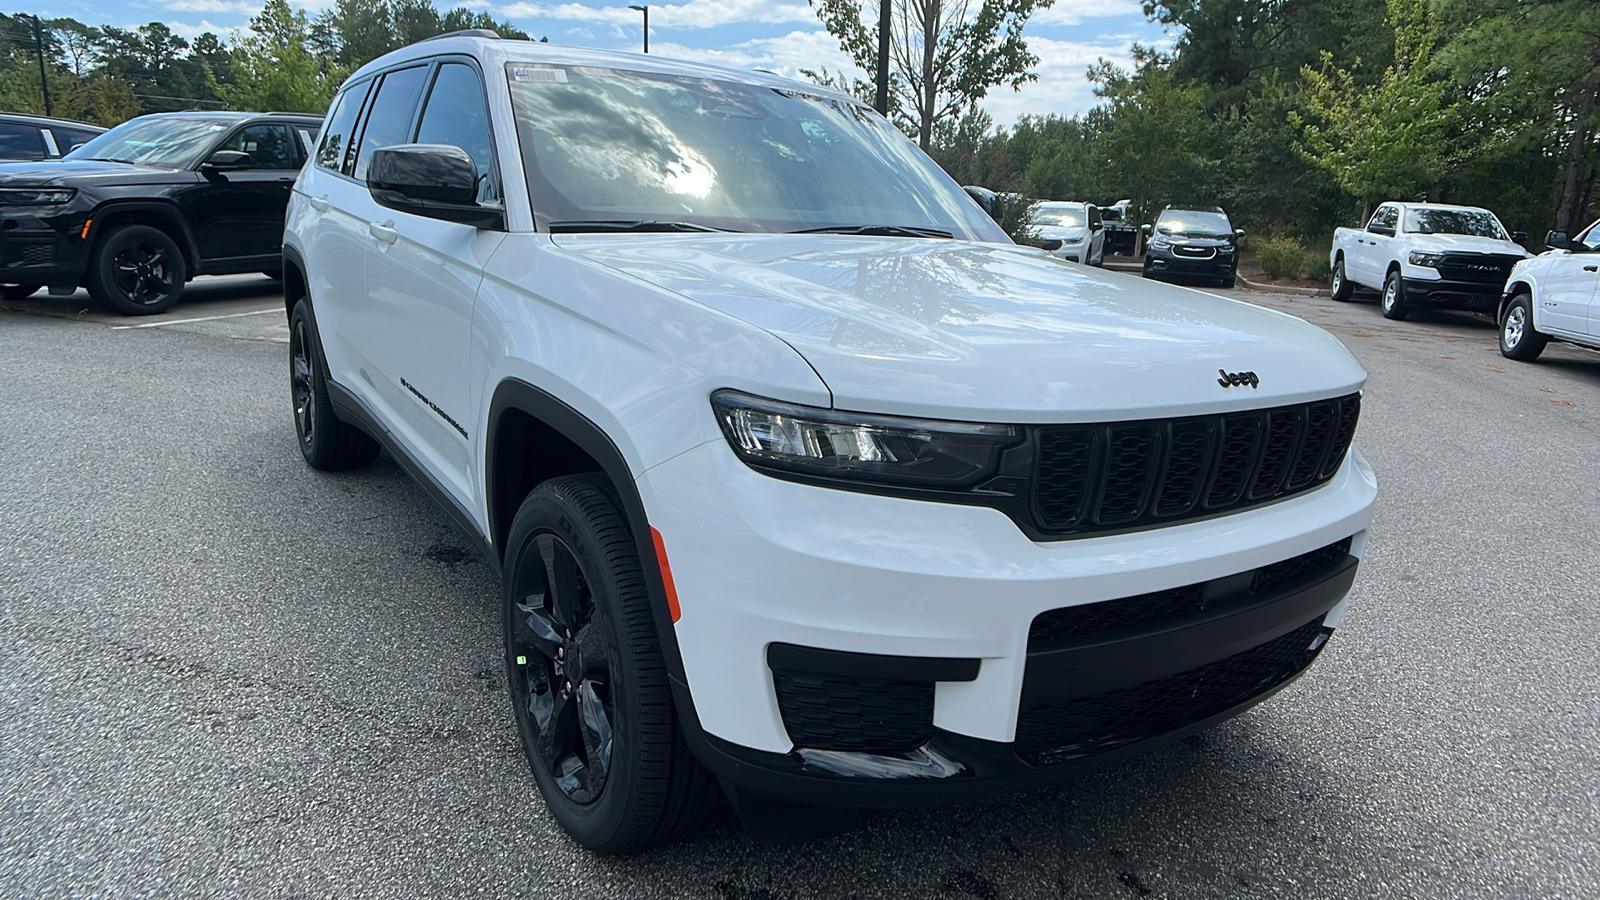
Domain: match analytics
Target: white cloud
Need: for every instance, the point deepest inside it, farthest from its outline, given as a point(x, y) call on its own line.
point(784, 55)
point(690, 15)
point(190, 32)
point(1062, 88)
point(1071, 12)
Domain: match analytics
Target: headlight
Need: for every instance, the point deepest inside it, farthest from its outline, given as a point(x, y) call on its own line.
point(36, 196)
point(1160, 244)
point(1431, 260)
point(827, 443)
point(1224, 251)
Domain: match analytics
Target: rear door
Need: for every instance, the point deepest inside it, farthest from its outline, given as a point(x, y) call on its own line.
point(422, 280)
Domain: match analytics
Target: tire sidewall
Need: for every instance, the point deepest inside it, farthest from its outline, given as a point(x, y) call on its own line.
point(547, 510)
point(1394, 299)
point(103, 281)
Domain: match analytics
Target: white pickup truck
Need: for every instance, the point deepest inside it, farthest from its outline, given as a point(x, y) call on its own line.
point(1426, 254)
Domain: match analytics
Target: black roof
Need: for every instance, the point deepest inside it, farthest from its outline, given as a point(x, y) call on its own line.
point(48, 120)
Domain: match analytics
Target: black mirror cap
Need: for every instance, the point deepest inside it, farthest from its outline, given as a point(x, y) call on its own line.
point(1519, 237)
point(228, 159)
point(439, 181)
point(1557, 240)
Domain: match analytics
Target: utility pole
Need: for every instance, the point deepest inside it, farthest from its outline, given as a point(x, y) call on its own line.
point(38, 44)
point(646, 10)
point(883, 58)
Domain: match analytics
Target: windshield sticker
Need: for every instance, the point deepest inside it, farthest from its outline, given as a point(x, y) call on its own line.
point(539, 74)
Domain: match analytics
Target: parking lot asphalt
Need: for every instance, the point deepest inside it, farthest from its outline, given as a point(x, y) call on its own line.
point(225, 674)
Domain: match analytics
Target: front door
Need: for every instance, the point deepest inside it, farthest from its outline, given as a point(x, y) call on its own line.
point(422, 282)
point(1566, 301)
point(239, 213)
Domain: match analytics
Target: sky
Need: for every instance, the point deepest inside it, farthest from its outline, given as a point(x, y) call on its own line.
point(782, 36)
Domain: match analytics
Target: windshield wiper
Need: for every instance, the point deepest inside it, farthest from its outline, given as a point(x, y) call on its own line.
point(885, 230)
point(628, 225)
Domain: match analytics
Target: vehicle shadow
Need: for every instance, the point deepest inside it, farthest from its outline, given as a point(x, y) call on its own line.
point(203, 296)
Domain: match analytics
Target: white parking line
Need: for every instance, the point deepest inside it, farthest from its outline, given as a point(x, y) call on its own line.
point(257, 312)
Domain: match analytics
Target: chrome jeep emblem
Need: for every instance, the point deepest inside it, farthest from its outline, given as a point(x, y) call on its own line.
point(1231, 379)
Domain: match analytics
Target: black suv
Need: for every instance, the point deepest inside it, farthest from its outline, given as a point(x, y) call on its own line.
point(1192, 243)
point(32, 138)
point(139, 210)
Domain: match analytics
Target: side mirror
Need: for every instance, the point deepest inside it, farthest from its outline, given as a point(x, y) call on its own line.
point(1519, 237)
point(1238, 234)
point(438, 181)
point(223, 160)
point(1558, 240)
point(1146, 229)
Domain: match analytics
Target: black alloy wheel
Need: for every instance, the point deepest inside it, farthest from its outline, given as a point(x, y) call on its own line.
point(561, 669)
point(137, 270)
point(326, 442)
point(588, 680)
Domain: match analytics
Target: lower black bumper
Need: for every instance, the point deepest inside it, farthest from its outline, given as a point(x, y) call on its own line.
point(1453, 294)
point(1083, 705)
point(41, 248)
point(1177, 267)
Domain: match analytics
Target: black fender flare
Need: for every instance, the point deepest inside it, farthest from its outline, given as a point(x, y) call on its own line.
point(515, 394)
point(167, 212)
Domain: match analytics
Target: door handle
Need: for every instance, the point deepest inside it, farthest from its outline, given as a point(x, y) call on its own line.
point(320, 204)
point(1592, 268)
point(385, 233)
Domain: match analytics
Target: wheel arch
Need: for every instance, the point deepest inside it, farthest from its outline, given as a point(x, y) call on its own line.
point(164, 217)
point(294, 280)
point(532, 436)
point(1521, 285)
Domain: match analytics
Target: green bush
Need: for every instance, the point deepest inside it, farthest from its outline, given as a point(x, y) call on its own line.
point(1282, 257)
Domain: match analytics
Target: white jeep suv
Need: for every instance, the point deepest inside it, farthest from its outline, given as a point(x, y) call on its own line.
point(808, 488)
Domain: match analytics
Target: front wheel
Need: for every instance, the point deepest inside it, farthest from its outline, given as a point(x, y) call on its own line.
point(588, 681)
point(1341, 289)
point(325, 442)
point(137, 270)
point(1518, 339)
point(1394, 297)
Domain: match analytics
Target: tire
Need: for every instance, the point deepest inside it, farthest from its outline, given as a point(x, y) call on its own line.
point(1341, 289)
point(1518, 339)
point(136, 270)
point(19, 291)
point(1394, 297)
point(326, 442)
point(574, 589)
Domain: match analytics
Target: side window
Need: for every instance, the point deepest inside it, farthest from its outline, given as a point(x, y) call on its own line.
point(1590, 240)
point(1094, 217)
point(69, 138)
point(1385, 217)
point(341, 125)
point(389, 122)
point(269, 146)
point(20, 142)
point(458, 114)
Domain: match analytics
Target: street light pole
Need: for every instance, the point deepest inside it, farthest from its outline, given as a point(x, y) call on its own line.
point(646, 10)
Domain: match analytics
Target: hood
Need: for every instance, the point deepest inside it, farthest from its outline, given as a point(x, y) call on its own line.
point(84, 172)
point(1462, 243)
point(987, 332)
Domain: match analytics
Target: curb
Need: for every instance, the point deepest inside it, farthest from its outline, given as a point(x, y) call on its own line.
point(1242, 281)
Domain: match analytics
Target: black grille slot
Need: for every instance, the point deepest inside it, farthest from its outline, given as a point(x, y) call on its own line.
point(1130, 461)
point(1162, 610)
point(1092, 478)
point(1064, 730)
point(1064, 455)
point(1485, 268)
point(871, 715)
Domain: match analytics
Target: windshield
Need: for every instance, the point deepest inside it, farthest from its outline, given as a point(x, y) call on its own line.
point(665, 152)
point(154, 141)
point(1060, 216)
point(1474, 222)
point(1190, 223)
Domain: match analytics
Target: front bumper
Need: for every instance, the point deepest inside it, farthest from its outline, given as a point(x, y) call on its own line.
point(1447, 294)
point(1177, 266)
point(763, 566)
point(42, 245)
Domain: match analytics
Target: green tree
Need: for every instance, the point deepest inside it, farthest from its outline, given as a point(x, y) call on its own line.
point(944, 55)
point(274, 69)
point(1157, 144)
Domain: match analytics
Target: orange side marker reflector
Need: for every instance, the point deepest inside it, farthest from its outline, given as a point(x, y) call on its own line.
point(666, 575)
point(85, 235)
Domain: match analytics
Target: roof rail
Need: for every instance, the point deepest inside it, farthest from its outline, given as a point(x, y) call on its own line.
point(466, 32)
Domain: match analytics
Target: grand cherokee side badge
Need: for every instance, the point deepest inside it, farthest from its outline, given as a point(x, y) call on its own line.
point(1229, 379)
